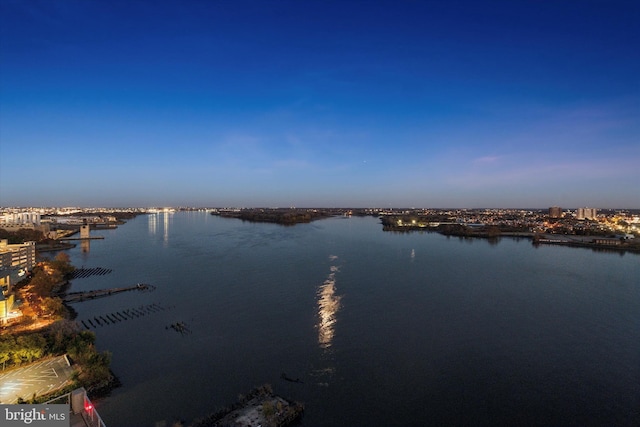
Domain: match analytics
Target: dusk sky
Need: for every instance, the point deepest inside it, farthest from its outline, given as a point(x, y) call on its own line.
point(320, 103)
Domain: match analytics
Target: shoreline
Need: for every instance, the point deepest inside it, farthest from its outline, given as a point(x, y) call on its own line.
point(607, 244)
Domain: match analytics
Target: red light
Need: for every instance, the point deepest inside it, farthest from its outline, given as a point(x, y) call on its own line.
point(88, 407)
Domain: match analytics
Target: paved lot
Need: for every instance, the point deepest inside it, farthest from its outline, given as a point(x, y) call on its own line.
point(39, 377)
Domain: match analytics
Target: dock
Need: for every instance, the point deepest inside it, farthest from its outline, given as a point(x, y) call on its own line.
point(82, 238)
point(99, 293)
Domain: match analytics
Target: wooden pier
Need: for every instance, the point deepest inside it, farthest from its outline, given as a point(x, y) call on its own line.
point(99, 293)
point(82, 238)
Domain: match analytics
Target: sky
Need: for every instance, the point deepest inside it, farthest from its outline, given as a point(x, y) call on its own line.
point(434, 104)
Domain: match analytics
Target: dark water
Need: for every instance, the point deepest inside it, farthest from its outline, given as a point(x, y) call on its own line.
point(383, 328)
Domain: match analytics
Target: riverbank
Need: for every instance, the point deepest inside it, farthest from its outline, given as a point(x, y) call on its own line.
point(53, 246)
point(22, 352)
point(45, 327)
point(494, 233)
point(597, 244)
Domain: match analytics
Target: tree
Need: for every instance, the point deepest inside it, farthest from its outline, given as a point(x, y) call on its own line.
point(62, 264)
point(42, 283)
point(7, 347)
point(31, 347)
point(53, 306)
point(61, 334)
point(493, 231)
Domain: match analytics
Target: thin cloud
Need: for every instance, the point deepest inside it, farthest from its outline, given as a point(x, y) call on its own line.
point(487, 159)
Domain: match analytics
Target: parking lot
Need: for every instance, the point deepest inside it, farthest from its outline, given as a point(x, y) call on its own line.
point(39, 377)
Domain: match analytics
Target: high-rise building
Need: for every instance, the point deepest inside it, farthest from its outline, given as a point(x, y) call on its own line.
point(555, 212)
point(586, 213)
point(22, 255)
point(15, 257)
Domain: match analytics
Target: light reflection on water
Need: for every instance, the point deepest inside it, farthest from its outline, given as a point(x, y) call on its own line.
point(153, 224)
point(167, 216)
point(328, 306)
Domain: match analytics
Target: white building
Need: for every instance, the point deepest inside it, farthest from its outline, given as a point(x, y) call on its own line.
point(20, 218)
point(15, 257)
point(586, 213)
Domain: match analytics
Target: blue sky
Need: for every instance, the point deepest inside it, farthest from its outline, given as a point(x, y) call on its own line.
point(320, 103)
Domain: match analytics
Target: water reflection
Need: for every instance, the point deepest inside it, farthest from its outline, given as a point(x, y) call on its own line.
point(85, 246)
point(153, 223)
point(328, 306)
point(166, 227)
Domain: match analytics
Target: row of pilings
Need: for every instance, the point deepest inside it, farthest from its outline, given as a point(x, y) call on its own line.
point(87, 272)
point(121, 316)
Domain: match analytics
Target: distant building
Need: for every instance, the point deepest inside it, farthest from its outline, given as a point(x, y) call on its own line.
point(85, 231)
point(13, 222)
point(607, 242)
point(20, 221)
point(586, 213)
point(555, 212)
point(20, 218)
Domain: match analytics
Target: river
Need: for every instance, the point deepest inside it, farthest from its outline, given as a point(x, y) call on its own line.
point(381, 328)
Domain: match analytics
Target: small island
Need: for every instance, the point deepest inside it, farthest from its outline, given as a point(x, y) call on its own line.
point(289, 216)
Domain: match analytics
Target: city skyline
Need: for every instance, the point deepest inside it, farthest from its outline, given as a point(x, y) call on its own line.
point(320, 104)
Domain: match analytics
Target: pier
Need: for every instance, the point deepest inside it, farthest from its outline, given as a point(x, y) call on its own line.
point(82, 238)
point(99, 293)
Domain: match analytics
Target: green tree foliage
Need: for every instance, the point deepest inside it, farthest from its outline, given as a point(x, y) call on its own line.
point(25, 348)
point(21, 236)
point(43, 283)
point(30, 347)
point(80, 346)
point(62, 264)
point(96, 368)
point(7, 346)
point(61, 334)
point(46, 278)
point(53, 306)
point(63, 337)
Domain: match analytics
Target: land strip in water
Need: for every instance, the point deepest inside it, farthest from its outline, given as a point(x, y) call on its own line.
point(260, 407)
point(276, 216)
